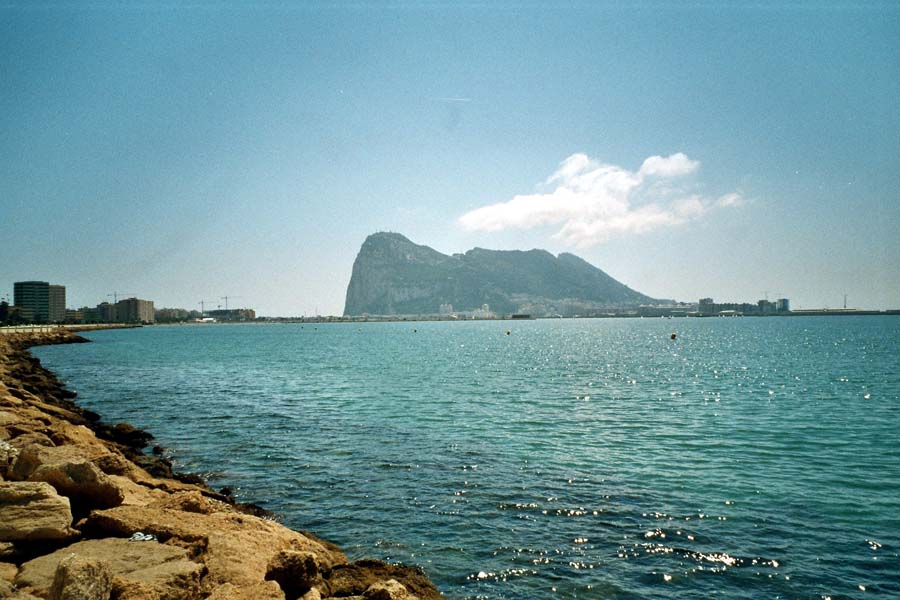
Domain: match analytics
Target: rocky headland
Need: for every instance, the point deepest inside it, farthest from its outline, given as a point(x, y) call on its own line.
point(393, 276)
point(86, 514)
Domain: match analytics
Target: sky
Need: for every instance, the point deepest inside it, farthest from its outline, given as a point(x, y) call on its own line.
point(184, 152)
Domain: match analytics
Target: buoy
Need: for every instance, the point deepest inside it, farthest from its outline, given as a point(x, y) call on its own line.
point(507, 332)
point(415, 330)
point(673, 336)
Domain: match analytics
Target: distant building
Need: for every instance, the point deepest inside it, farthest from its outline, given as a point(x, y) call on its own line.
point(232, 314)
point(663, 310)
point(707, 307)
point(33, 298)
point(765, 307)
point(40, 301)
point(74, 316)
point(106, 313)
point(57, 303)
point(483, 313)
point(175, 315)
point(445, 309)
point(91, 314)
point(134, 310)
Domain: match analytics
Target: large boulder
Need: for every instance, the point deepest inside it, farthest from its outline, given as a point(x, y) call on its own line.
point(32, 437)
point(296, 572)
point(139, 569)
point(388, 590)
point(268, 590)
point(355, 579)
point(237, 548)
point(33, 511)
point(8, 572)
point(72, 475)
point(79, 578)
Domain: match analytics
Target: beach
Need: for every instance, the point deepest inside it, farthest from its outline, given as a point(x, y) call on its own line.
point(85, 512)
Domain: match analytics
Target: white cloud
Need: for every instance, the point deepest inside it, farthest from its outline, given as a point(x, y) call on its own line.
point(669, 166)
point(594, 201)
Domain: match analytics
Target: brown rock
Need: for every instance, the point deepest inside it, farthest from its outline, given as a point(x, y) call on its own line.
point(139, 569)
point(81, 481)
point(8, 572)
point(267, 590)
point(33, 437)
point(192, 502)
point(9, 418)
point(32, 456)
point(7, 551)
point(114, 464)
point(80, 578)
point(32, 511)
point(354, 579)
point(242, 556)
point(313, 594)
point(135, 493)
point(9, 592)
point(237, 547)
point(166, 524)
point(8, 455)
point(129, 589)
point(80, 437)
point(388, 590)
point(73, 475)
point(296, 572)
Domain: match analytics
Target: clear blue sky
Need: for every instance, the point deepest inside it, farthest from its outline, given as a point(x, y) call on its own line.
point(184, 153)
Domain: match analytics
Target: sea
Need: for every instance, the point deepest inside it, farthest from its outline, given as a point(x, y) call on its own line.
point(576, 458)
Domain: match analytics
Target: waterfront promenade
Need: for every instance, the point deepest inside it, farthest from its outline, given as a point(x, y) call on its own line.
point(41, 329)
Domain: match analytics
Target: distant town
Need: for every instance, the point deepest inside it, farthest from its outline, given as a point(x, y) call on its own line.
point(41, 302)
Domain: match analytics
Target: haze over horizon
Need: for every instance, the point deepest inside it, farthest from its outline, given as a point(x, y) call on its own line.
point(186, 153)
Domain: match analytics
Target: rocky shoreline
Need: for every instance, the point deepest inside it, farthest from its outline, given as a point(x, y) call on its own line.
point(85, 514)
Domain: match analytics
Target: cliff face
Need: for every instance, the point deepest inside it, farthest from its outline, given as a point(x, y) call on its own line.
point(394, 276)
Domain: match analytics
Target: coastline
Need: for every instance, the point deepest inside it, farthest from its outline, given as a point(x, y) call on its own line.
point(85, 512)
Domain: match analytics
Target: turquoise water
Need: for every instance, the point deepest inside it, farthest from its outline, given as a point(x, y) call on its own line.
point(748, 458)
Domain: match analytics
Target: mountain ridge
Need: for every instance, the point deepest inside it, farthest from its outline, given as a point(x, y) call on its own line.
point(394, 276)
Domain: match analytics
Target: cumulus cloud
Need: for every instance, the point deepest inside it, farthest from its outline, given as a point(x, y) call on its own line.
point(594, 202)
point(669, 166)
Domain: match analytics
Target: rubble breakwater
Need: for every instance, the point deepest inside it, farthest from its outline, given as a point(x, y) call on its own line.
point(85, 513)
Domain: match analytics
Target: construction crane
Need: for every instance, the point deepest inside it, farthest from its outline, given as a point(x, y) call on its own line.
point(203, 304)
point(115, 295)
point(225, 298)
